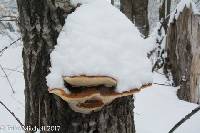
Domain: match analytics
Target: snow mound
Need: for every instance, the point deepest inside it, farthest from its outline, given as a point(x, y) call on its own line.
point(158, 109)
point(98, 40)
point(181, 5)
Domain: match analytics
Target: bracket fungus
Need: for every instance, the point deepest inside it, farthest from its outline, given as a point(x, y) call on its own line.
point(111, 54)
point(95, 92)
point(90, 81)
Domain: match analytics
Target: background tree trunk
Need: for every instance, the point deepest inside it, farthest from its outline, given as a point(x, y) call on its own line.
point(112, 2)
point(137, 12)
point(165, 9)
point(164, 13)
point(183, 51)
point(40, 24)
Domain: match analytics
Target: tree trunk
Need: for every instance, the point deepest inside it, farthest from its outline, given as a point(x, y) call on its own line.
point(183, 50)
point(137, 12)
point(165, 9)
point(112, 2)
point(40, 24)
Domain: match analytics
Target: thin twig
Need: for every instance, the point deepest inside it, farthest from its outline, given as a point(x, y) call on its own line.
point(162, 84)
point(8, 16)
point(10, 69)
point(20, 123)
point(184, 119)
point(6, 47)
point(8, 20)
point(7, 79)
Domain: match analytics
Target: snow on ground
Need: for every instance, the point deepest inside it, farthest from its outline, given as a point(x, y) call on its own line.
point(98, 40)
point(157, 110)
point(11, 61)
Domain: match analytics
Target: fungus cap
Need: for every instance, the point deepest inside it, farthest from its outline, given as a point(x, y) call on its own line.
point(90, 81)
point(91, 98)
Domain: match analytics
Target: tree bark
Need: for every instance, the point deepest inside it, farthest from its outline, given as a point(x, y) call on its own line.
point(41, 22)
point(137, 12)
point(164, 13)
point(183, 51)
point(164, 10)
point(112, 2)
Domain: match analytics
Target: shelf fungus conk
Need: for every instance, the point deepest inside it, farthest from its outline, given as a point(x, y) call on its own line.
point(94, 92)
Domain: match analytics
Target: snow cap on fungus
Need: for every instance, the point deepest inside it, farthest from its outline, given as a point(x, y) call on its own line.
point(99, 56)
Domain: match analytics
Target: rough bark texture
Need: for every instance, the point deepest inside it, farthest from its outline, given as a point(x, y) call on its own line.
point(183, 49)
point(40, 24)
point(114, 118)
point(137, 12)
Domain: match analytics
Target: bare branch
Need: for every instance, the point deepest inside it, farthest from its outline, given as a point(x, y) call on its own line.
point(6, 47)
point(11, 70)
point(14, 70)
point(184, 119)
point(20, 123)
point(162, 84)
point(5, 16)
point(8, 20)
point(7, 79)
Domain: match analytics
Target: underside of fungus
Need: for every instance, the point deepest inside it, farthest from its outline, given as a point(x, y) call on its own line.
point(90, 81)
point(94, 92)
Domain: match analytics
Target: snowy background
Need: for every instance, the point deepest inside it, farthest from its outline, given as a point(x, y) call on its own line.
point(157, 109)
